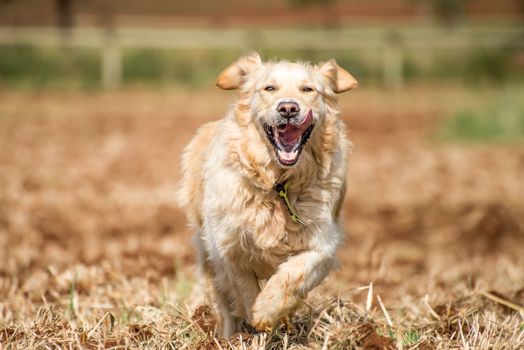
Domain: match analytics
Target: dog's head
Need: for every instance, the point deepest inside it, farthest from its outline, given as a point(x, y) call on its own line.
point(285, 100)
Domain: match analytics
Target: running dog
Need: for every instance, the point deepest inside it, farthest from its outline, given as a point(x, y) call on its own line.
point(263, 188)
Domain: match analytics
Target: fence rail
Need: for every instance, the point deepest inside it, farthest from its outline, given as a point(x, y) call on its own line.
point(391, 43)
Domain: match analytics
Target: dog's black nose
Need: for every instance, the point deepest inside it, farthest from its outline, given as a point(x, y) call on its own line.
point(288, 109)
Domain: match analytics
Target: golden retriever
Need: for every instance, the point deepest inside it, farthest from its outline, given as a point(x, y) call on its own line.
point(263, 189)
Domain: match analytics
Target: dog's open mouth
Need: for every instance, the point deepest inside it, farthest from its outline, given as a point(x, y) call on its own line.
point(289, 139)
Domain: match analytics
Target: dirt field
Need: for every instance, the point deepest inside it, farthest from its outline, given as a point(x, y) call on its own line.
point(95, 254)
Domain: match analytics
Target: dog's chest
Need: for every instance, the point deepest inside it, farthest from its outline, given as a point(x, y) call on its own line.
point(267, 231)
point(254, 227)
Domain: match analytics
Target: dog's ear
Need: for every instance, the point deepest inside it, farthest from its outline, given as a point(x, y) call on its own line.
point(338, 77)
point(234, 75)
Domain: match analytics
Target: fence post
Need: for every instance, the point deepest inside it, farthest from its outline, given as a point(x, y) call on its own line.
point(393, 61)
point(111, 62)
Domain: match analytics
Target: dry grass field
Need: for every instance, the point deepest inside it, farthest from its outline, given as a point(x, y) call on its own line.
point(95, 254)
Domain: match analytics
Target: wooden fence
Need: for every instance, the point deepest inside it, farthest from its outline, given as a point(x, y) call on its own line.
point(390, 43)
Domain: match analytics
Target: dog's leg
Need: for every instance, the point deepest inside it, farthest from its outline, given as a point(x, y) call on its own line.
point(248, 289)
point(235, 294)
point(289, 286)
point(218, 289)
point(224, 297)
point(203, 291)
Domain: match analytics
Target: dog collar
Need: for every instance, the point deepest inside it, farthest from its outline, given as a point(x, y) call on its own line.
point(281, 189)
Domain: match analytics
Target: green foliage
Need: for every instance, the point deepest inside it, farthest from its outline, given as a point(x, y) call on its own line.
point(474, 68)
point(494, 66)
point(27, 66)
point(448, 10)
point(125, 315)
point(80, 68)
point(356, 64)
point(184, 284)
point(501, 120)
point(187, 67)
point(71, 304)
point(300, 3)
point(410, 338)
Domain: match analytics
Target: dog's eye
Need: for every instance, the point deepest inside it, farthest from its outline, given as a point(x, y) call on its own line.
point(269, 88)
point(307, 89)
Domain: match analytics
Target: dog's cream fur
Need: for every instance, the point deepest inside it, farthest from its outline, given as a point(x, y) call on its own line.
point(244, 233)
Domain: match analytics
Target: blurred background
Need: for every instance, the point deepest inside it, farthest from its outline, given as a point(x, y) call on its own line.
point(96, 43)
point(99, 97)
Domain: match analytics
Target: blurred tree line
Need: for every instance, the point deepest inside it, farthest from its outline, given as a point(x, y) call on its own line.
point(441, 11)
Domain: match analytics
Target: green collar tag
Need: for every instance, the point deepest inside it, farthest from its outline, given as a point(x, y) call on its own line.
point(281, 189)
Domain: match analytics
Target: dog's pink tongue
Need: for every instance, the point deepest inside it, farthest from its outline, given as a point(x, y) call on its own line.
point(290, 134)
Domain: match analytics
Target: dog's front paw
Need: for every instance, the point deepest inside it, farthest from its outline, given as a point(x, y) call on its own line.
point(263, 325)
point(275, 302)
